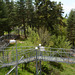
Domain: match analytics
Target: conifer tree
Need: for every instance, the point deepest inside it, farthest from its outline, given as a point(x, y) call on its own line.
point(10, 15)
point(48, 14)
point(71, 27)
point(23, 13)
point(3, 17)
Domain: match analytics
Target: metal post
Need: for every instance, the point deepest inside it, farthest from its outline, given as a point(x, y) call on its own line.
point(40, 67)
point(41, 48)
point(16, 60)
point(36, 62)
point(7, 57)
point(40, 56)
point(16, 70)
point(3, 55)
point(13, 67)
point(13, 53)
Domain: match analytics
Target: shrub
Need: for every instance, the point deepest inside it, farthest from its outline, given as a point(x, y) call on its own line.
point(60, 42)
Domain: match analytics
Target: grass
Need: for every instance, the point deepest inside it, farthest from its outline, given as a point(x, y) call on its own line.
point(69, 69)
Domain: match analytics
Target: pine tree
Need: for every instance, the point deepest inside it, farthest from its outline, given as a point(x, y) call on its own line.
point(48, 14)
point(71, 27)
point(10, 15)
point(23, 13)
point(3, 17)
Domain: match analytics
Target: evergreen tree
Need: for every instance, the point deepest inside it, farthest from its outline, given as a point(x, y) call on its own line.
point(3, 17)
point(71, 27)
point(49, 14)
point(29, 11)
point(23, 13)
point(10, 15)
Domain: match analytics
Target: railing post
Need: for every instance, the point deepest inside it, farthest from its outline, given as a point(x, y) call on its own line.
point(40, 67)
point(16, 60)
point(3, 55)
point(7, 57)
point(36, 62)
point(40, 56)
point(13, 67)
point(41, 48)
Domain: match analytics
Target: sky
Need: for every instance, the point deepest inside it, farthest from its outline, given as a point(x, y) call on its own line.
point(67, 5)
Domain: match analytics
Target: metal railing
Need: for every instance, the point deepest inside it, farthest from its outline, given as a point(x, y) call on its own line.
point(4, 40)
point(12, 55)
point(8, 55)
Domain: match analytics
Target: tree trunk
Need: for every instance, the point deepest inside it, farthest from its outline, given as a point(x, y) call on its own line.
point(1, 33)
point(8, 33)
point(24, 28)
point(73, 44)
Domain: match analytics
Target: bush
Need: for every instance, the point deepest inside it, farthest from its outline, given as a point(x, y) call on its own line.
point(60, 42)
point(33, 37)
point(45, 37)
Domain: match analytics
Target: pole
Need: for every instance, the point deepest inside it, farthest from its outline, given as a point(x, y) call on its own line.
point(36, 64)
point(40, 67)
point(40, 62)
point(3, 55)
point(16, 60)
point(40, 56)
point(14, 67)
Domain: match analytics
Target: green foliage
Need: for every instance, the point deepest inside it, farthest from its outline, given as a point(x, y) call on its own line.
point(48, 69)
point(6, 16)
point(10, 15)
point(60, 30)
point(24, 72)
point(23, 14)
point(57, 65)
point(48, 14)
point(3, 17)
point(44, 36)
point(33, 37)
point(71, 26)
point(60, 42)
